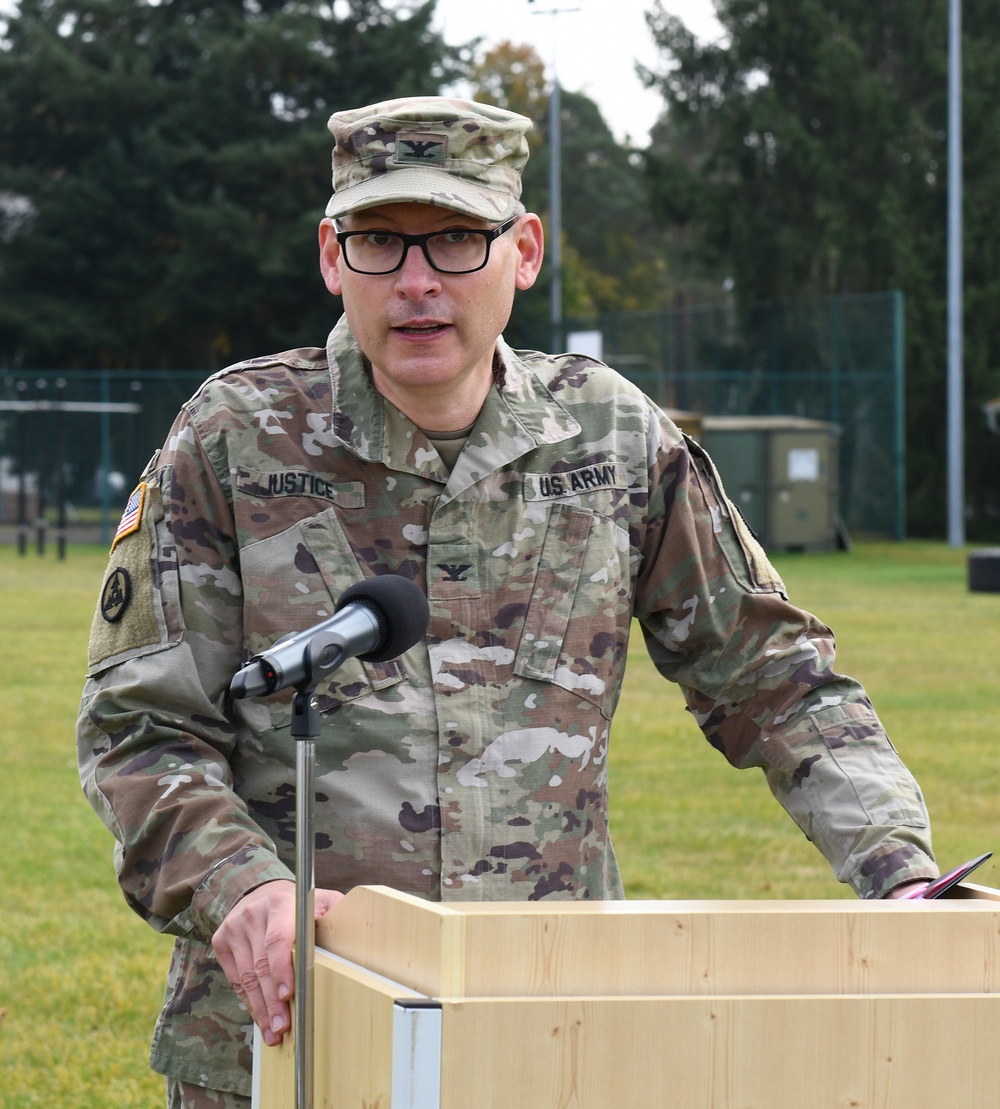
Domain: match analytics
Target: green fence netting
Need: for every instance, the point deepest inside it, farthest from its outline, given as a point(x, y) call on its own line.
point(73, 442)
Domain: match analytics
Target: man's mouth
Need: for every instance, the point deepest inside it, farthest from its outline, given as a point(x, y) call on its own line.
point(420, 328)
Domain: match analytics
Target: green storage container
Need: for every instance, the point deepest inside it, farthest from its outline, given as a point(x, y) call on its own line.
point(782, 473)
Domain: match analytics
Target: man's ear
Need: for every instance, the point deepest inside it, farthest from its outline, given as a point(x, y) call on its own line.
point(531, 249)
point(329, 256)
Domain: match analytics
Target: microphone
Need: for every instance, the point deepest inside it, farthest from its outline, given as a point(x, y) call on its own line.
point(361, 627)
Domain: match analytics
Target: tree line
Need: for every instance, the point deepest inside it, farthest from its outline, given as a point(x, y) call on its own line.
point(807, 154)
point(164, 163)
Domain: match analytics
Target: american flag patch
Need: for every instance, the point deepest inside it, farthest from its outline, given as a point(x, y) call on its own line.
point(132, 516)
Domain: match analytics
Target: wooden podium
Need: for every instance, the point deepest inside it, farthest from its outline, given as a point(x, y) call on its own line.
point(651, 1005)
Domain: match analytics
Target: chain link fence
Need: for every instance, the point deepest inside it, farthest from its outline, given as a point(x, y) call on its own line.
point(839, 359)
point(73, 443)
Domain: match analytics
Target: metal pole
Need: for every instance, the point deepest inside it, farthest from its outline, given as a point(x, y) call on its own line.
point(60, 416)
point(22, 475)
point(42, 455)
point(554, 248)
point(305, 923)
point(305, 730)
point(899, 387)
point(105, 458)
point(555, 203)
point(133, 433)
point(956, 444)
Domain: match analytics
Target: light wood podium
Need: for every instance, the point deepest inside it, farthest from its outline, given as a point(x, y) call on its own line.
point(652, 1005)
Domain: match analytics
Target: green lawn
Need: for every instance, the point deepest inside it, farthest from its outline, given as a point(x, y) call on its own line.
point(81, 977)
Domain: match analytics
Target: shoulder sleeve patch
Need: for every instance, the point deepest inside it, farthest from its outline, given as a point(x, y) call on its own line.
point(132, 516)
point(129, 618)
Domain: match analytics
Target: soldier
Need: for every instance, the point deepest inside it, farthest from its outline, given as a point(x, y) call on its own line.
point(542, 502)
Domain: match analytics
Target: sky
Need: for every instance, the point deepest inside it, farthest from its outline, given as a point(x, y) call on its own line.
point(595, 44)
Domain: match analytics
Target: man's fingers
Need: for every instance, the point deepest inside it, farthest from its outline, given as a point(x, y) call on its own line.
point(234, 951)
point(253, 946)
point(254, 949)
point(276, 968)
point(324, 900)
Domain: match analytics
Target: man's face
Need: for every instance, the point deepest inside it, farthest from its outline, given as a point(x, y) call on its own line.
point(431, 334)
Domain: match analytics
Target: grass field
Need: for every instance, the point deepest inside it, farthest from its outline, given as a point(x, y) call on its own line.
point(81, 978)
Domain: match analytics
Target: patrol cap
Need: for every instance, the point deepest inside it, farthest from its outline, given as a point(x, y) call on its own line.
point(432, 149)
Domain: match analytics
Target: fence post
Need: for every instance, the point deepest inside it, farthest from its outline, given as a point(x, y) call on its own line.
point(899, 382)
point(105, 380)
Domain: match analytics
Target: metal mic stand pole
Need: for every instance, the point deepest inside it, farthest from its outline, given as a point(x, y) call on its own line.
point(305, 730)
point(326, 649)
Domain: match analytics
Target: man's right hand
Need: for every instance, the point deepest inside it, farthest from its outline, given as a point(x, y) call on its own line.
point(254, 948)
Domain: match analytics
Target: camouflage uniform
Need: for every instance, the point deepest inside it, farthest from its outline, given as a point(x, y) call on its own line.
point(475, 767)
point(186, 1095)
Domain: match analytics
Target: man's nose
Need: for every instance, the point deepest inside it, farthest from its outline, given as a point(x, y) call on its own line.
point(416, 277)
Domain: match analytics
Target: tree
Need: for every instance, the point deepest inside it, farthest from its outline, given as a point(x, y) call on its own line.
point(614, 256)
point(805, 153)
point(512, 76)
point(163, 167)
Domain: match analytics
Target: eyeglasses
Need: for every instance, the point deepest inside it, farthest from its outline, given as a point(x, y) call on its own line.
point(457, 250)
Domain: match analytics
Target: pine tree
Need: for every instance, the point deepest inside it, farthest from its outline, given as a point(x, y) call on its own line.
point(806, 153)
point(163, 167)
point(614, 255)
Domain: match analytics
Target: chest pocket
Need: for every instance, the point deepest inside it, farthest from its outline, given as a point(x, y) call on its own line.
point(291, 582)
point(576, 627)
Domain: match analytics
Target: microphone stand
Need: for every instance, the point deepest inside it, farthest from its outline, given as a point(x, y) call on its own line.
point(364, 631)
point(305, 730)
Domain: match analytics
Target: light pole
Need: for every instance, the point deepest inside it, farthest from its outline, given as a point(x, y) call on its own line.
point(956, 406)
point(555, 187)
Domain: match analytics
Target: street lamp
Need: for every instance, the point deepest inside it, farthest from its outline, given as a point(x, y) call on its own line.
point(555, 188)
point(956, 412)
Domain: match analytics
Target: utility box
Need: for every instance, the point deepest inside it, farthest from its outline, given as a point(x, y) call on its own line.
point(782, 473)
point(689, 422)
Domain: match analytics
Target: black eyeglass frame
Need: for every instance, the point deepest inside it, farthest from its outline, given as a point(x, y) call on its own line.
point(421, 241)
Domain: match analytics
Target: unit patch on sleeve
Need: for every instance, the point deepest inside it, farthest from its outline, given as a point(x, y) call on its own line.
point(116, 594)
point(129, 616)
